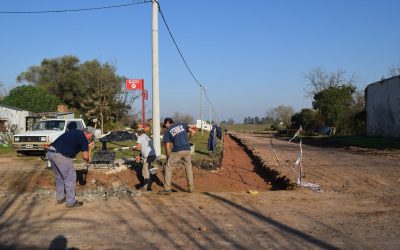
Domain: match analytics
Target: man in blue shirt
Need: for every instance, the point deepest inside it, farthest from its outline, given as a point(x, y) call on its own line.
point(60, 154)
point(177, 147)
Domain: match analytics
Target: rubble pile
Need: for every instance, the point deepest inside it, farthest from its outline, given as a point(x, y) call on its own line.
point(118, 190)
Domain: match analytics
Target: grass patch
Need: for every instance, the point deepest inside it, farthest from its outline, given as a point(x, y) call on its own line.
point(246, 128)
point(7, 151)
point(201, 144)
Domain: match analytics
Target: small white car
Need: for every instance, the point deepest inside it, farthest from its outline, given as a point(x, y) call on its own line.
point(43, 133)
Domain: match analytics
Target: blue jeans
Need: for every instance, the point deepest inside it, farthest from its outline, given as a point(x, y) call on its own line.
point(65, 177)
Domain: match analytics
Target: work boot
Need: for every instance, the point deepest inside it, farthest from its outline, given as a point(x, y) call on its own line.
point(76, 204)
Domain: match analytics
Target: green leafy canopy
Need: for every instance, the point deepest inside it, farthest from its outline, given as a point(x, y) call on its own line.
point(32, 98)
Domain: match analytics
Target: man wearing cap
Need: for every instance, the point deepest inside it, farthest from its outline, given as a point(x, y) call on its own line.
point(177, 147)
point(145, 146)
point(60, 154)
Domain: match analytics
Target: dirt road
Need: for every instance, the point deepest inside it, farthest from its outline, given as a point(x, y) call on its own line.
point(359, 208)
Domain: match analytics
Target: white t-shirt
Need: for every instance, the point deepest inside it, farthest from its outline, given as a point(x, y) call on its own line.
point(147, 148)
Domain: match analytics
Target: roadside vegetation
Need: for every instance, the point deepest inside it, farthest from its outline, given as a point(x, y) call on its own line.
point(7, 151)
point(90, 89)
point(247, 128)
point(337, 117)
point(200, 142)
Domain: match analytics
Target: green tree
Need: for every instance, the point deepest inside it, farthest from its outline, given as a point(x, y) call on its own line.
point(32, 98)
point(104, 89)
point(335, 105)
point(61, 77)
point(92, 88)
point(308, 119)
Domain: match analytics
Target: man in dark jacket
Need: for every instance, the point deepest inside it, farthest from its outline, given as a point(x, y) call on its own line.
point(60, 154)
point(177, 147)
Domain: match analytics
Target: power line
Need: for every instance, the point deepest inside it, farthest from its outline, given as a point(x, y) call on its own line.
point(208, 100)
point(74, 10)
point(177, 47)
point(182, 57)
point(119, 6)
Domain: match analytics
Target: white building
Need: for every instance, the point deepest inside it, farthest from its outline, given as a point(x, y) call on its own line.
point(206, 126)
point(19, 120)
point(11, 117)
point(382, 104)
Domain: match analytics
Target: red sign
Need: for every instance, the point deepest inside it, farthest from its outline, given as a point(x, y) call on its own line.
point(134, 84)
point(146, 95)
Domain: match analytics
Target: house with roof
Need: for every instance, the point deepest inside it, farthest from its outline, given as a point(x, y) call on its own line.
point(18, 120)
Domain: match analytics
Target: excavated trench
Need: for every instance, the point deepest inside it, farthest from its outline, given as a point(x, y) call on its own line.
point(277, 181)
point(237, 170)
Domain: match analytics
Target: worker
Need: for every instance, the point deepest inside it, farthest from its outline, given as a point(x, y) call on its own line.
point(177, 148)
point(148, 153)
point(60, 154)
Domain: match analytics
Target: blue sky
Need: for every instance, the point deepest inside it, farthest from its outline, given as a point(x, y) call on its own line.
point(251, 55)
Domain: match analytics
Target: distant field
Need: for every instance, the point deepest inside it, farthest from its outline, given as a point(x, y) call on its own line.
point(246, 127)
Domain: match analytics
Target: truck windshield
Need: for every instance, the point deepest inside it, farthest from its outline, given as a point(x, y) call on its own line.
point(49, 125)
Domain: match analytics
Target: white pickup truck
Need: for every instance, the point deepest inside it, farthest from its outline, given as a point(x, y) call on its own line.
point(43, 133)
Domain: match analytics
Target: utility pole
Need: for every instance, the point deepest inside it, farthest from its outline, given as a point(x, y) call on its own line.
point(201, 108)
point(209, 110)
point(156, 86)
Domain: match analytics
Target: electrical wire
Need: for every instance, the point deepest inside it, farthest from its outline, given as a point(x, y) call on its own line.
point(177, 47)
point(73, 10)
point(121, 6)
point(182, 57)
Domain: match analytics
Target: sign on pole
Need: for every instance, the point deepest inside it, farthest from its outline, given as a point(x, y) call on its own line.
point(134, 84)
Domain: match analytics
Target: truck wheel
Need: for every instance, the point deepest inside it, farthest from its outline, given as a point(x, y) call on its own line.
point(20, 154)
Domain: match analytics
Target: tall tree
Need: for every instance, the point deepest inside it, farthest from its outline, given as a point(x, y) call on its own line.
point(320, 80)
point(91, 88)
point(185, 118)
point(335, 105)
point(281, 114)
point(60, 76)
point(394, 71)
point(308, 119)
point(103, 90)
point(32, 98)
